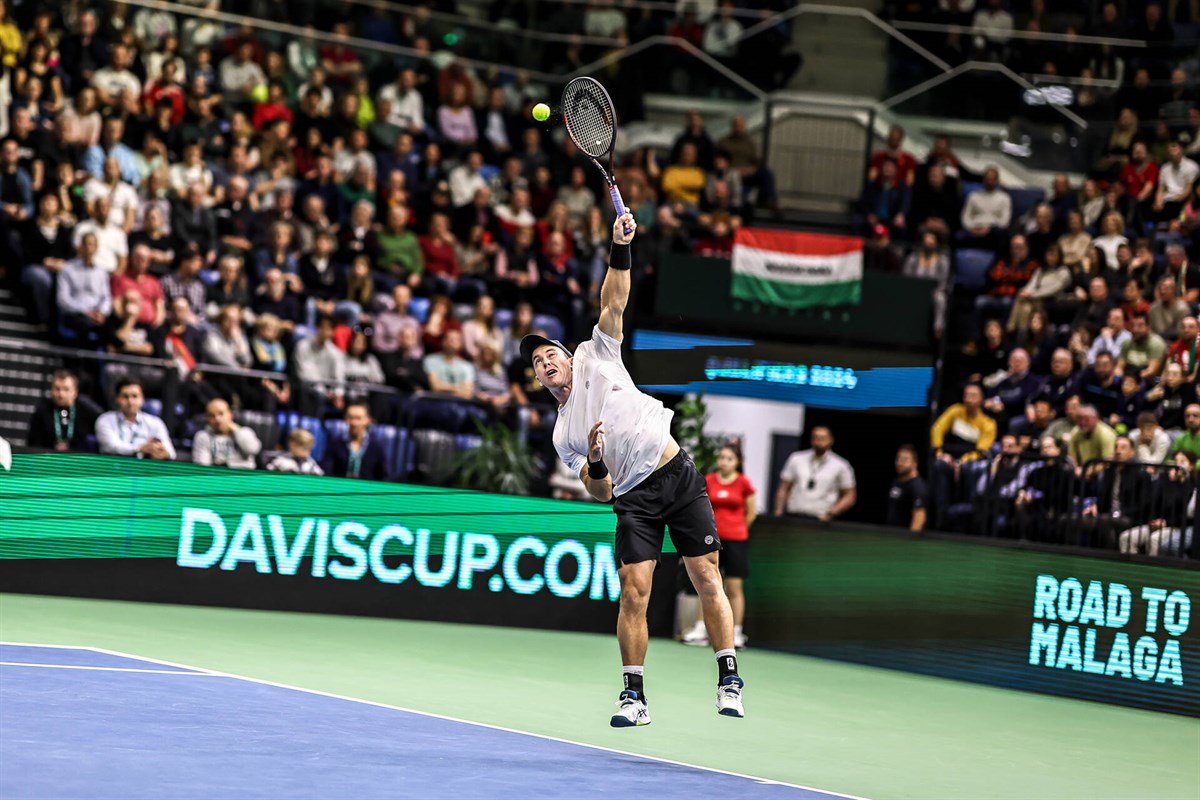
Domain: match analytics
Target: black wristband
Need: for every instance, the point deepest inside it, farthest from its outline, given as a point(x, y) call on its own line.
point(619, 258)
point(597, 470)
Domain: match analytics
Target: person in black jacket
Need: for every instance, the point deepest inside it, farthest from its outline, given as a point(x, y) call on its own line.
point(1172, 507)
point(1122, 498)
point(1044, 504)
point(359, 455)
point(64, 420)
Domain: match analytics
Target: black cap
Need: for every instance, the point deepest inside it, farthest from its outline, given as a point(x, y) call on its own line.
point(533, 341)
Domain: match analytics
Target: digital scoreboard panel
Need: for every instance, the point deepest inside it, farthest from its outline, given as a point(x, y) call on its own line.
point(819, 376)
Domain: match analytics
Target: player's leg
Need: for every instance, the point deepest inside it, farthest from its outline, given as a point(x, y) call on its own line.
point(632, 633)
point(632, 637)
point(714, 604)
point(694, 534)
point(638, 545)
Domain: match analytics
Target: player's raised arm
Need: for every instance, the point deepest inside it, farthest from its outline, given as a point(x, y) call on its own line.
point(614, 294)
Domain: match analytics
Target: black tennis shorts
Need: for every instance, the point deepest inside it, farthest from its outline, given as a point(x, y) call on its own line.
point(675, 496)
point(735, 558)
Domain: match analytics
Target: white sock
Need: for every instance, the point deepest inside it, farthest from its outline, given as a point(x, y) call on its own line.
point(737, 630)
point(634, 669)
point(729, 651)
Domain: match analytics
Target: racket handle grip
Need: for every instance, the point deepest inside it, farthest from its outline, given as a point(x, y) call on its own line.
point(618, 203)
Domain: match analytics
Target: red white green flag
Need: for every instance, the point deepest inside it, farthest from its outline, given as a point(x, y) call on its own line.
point(797, 270)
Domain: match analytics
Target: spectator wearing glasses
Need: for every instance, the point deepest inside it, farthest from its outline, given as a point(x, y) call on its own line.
point(816, 483)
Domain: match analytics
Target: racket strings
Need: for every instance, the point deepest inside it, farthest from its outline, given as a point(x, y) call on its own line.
point(591, 119)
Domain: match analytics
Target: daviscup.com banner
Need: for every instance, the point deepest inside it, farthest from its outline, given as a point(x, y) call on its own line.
point(797, 270)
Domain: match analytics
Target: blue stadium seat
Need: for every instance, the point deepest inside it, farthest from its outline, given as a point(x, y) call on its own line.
point(387, 435)
point(1024, 199)
point(405, 455)
point(467, 441)
point(283, 419)
point(551, 325)
point(971, 186)
point(971, 266)
point(336, 429)
point(436, 413)
point(153, 406)
point(504, 318)
point(419, 308)
point(209, 276)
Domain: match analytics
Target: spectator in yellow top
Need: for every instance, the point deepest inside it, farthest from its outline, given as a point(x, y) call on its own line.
point(10, 38)
point(684, 182)
point(1092, 438)
point(963, 432)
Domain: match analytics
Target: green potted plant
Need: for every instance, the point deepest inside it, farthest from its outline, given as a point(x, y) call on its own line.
point(690, 416)
point(501, 463)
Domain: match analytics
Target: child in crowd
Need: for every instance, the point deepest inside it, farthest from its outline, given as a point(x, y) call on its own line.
point(299, 456)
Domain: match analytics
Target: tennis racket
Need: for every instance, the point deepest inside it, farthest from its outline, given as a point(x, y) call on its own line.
point(591, 122)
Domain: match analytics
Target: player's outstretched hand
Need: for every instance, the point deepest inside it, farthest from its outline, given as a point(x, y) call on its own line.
point(623, 223)
point(596, 443)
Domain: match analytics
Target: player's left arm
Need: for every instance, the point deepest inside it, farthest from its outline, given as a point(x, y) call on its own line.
point(614, 293)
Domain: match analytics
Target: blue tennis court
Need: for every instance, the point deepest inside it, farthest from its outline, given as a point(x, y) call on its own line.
point(82, 722)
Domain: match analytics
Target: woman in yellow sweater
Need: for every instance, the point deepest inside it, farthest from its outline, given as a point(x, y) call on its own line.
point(684, 182)
point(963, 432)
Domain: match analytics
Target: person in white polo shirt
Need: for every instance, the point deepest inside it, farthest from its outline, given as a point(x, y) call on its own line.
point(816, 483)
point(1176, 177)
point(129, 431)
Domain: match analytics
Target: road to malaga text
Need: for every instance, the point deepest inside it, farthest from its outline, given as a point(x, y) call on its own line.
point(1084, 641)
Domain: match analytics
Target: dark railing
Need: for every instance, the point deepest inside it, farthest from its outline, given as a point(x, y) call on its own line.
point(1126, 506)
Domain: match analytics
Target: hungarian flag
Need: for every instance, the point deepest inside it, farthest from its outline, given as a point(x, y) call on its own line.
point(797, 270)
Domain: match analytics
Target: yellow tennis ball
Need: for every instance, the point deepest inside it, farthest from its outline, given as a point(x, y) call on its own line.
point(259, 93)
point(541, 112)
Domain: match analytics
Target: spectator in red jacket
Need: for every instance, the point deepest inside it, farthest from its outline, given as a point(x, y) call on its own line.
point(1005, 280)
point(441, 255)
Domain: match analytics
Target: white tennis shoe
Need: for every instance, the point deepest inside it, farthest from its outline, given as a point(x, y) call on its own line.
point(631, 711)
point(729, 697)
point(697, 636)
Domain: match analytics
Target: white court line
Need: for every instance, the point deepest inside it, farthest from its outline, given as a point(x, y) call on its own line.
point(431, 714)
point(107, 669)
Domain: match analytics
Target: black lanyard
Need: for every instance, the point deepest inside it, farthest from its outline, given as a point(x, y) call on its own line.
point(58, 424)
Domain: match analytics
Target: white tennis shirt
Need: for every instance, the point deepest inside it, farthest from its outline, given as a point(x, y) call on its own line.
point(637, 427)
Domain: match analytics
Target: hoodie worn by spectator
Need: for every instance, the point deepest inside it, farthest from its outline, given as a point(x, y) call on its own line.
point(235, 450)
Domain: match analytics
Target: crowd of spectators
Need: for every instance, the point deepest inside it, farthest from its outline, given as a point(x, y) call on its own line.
point(1128, 69)
point(1068, 317)
point(223, 199)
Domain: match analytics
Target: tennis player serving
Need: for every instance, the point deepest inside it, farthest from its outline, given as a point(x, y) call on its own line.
point(619, 441)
